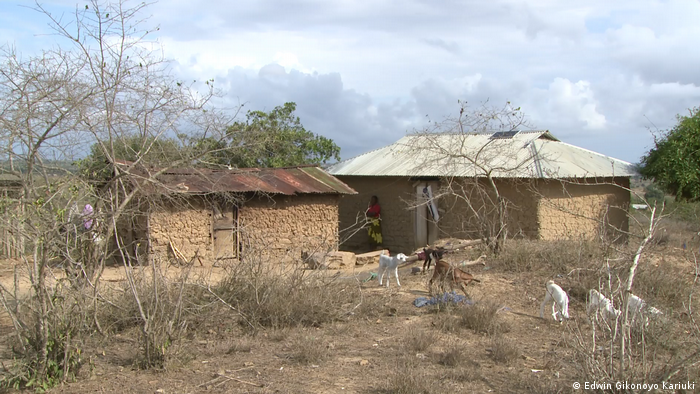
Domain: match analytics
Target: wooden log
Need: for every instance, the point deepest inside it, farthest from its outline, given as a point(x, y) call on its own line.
point(464, 244)
point(449, 248)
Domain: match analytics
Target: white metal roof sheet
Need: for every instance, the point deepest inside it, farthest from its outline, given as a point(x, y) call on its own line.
point(528, 154)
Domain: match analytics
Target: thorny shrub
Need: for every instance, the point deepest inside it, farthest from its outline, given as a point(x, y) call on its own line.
point(62, 326)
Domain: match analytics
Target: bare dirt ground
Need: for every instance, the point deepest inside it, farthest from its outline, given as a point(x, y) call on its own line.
point(361, 354)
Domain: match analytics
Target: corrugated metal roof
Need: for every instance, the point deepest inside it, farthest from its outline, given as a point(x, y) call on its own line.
point(528, 154)
point(288, 181)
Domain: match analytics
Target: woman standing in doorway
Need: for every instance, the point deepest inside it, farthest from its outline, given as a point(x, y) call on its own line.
point(373, 215)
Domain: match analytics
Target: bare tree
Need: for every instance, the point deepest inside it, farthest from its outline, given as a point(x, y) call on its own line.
point(633, 346)
point(466, 157)
point(102, 85)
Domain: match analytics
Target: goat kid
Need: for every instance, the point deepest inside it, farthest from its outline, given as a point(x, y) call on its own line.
point(432, 254)
point(444, 271)
point(559, 300)
point(641, 311)
point(389, 263)
point(598, 302)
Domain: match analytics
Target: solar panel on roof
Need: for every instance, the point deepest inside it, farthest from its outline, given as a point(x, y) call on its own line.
point(504, 134)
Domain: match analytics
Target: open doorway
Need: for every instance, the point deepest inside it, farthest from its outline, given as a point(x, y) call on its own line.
point(427, 215)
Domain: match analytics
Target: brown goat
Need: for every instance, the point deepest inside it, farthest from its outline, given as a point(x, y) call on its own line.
point(444, 271)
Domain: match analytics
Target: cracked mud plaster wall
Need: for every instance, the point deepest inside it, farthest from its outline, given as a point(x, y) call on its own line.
point(186, 225)
point(459, 221)
point(280, 228)
point(273, 228)
point(583, 209)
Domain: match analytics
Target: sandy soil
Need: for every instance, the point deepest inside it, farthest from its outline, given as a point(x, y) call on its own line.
point(363, 352)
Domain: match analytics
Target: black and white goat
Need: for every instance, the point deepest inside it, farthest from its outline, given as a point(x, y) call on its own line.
point(431, 255)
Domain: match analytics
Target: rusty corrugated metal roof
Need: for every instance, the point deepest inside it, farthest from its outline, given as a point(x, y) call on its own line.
point(287, 181)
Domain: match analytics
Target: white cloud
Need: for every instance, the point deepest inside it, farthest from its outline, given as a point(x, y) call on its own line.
point(575, 100)
point(364, 72)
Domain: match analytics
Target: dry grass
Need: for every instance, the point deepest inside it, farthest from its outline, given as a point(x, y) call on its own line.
point(267, 299)
point(446, 322)
point(453, 355)
point(296, 317)
point(408, 378)
point(418, 339)
point(242, 345)
point(552, 256)
point(541, 385)
point(482, 317)
point(663, 287)
point(503, 350)
point(307, 349)
point(467, 371)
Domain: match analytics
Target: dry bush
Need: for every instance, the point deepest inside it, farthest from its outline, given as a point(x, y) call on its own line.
point(482, 317)
point(503, 350)
point(68, 321)
point(633, 351)
point(661, 238)
point(266, 295)
point(446, 322)
point(407, 377)
point(242, 345)
point(306, 349)
point(466, 371)
point(162, 319)
point(119, 310)
point(278, 335)
point(553, 256)
point(418, 339)
point(663, 287)
point(453, 355)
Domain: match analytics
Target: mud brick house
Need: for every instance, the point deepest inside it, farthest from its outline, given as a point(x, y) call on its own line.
point(553, 190)
point(220, 214)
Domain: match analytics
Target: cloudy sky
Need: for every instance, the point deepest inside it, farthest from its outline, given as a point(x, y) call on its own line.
point(597, 74)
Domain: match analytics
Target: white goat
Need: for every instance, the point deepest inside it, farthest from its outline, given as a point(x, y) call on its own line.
point(391, 264)
point(559, 300)
point(598, 302)
point(639, 309)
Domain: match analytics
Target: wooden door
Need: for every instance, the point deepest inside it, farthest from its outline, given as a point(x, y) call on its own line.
point(225, 233)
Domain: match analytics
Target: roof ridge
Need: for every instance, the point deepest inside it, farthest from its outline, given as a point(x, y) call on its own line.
point(579, 162)
point(594, 152)
point(366, 153)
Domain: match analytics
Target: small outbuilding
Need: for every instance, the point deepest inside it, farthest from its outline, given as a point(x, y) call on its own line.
point(212, 215)
point(433, 186)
